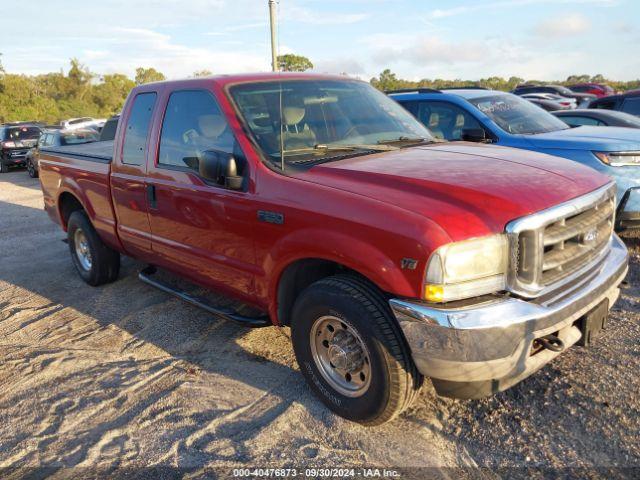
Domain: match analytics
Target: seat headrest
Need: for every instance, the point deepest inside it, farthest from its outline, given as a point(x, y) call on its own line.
point(459, 120)
point(434, 120)
point(293, 115)
point(212, 125)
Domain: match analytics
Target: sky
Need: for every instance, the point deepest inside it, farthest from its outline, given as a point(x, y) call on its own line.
point(467, 39)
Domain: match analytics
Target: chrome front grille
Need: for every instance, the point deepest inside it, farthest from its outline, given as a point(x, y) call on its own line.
point(549, 246)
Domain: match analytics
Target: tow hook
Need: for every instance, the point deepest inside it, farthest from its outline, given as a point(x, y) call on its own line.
point(551, 342)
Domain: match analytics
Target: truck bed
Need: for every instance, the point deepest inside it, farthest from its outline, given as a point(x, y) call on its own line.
point(98, 151)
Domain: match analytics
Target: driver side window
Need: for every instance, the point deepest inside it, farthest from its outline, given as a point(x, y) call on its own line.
point(193, 123)
point(444, 120)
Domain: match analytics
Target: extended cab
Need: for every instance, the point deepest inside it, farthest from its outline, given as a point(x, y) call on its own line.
point(324, 206)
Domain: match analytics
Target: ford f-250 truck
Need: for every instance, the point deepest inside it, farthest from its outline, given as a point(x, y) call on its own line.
point(325, 207)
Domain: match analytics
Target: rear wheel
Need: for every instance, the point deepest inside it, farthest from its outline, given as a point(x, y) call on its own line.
point(95, 262)
point(351, 350)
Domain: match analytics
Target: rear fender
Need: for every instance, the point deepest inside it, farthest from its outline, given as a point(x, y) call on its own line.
point(105, 225)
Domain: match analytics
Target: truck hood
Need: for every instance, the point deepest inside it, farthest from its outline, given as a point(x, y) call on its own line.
point(466, 188)
point(607, 139)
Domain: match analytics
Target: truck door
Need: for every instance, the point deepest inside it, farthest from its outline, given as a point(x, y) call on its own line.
point(200, 230)
point(128, 174)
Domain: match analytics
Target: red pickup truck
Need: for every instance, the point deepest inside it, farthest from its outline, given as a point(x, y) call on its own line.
point(321, 204)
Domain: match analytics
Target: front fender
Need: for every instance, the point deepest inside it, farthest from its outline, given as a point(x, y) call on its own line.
point(358, 255)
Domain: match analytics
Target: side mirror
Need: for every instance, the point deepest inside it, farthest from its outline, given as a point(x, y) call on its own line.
point(474, 135)
point(221, 168)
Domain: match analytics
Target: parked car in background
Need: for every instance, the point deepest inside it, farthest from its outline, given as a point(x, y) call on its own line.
point(108, 132)
point(597, 89)
point(563, 103)
point(582, 99)
point(547, 105)
point(598, 117)
point(509, 120)
point(628, 102)
point(326, 207)
point(15, 141)
point(83, 122)
point(57, 138)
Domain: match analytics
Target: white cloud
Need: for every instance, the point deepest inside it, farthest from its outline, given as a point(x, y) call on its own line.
point(461, 10)
point(296, 13)
point(349, 66)
point(149, 48)
point(563, 25)
point(415, 57)
point(433, 50)
point(237, 28)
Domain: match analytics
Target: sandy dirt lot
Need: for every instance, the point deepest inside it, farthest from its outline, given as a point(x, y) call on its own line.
point(123, 378)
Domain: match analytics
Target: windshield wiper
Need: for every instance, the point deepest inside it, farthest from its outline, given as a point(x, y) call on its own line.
point(336, 147)
point(403, 139)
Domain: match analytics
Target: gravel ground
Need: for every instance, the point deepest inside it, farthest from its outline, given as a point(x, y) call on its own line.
point(121, 378)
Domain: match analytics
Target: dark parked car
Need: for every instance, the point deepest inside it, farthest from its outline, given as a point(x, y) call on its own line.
point(57, 138)
point(557, 89)
point(108, 132)
point(628, 102)
point(597, 89)
point(15, 141)
point(601, 118)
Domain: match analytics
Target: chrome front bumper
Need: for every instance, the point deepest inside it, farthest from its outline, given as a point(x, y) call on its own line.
point(479, 349)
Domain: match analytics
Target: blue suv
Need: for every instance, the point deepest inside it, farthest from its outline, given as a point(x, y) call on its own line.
point(490, 116)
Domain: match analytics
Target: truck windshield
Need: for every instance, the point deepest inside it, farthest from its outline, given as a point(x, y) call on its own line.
point(309, 121)
point(518, 116)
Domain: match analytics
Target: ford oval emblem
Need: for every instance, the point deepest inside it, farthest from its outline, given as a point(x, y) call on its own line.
point(591, 236)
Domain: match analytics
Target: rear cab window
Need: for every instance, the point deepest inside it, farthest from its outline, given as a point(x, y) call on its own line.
point(137, 129)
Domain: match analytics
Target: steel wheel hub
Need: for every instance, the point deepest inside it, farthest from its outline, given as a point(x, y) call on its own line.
point(341, 356)
point(83, 251)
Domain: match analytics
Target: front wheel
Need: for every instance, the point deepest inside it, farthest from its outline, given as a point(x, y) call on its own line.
point(33, 173)
point(4, 168)
point(351, 350)
point(95, 262)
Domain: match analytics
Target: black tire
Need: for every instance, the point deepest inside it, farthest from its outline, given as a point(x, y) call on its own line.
point(33, 173)
point(105, 262)
point(4, 168)
point(394, 379)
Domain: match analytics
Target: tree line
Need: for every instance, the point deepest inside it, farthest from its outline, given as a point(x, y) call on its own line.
point(51, 97)
point(387, 80)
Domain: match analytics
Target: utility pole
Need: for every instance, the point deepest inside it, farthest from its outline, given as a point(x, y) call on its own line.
point(274, 47)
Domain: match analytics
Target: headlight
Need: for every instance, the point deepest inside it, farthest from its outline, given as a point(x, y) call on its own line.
point(467, 269)
point(619, 159)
